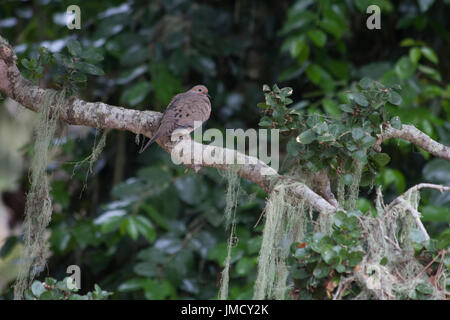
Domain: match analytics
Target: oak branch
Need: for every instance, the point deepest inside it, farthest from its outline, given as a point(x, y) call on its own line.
point(102, 116)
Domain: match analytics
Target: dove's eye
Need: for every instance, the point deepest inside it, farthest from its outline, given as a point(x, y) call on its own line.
point(199, 90)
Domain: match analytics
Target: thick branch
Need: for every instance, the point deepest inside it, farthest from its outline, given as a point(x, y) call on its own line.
point(417, 187)
point(417, 137)
point(102, 116)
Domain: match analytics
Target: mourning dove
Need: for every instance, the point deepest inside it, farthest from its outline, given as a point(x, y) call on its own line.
point(181, 113)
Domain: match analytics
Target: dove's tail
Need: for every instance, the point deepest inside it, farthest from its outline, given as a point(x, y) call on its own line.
point(149, 143)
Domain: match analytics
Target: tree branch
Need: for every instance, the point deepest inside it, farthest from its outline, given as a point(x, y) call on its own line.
point(417, 137)
point(400, 200)
point(102, 116)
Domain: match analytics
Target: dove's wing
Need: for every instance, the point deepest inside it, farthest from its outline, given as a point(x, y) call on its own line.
point(184, 111)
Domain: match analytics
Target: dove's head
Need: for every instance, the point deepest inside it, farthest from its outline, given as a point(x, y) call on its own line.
point(200, 90)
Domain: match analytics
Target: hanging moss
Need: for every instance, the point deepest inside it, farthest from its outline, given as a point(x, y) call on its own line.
point(389, 269)
point(353, 192)
point(38, 208)
point(232, 196)
point(284, 223)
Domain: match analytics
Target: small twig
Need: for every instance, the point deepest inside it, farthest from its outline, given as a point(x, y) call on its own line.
point(397, 247)
point(260, 217)
point(427, 266)
point(347, 284)
point(399, 274)
point(417, 187)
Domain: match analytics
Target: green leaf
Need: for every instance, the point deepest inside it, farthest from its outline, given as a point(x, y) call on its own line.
point(408, 42)
point(331, 26)
point(88, 68)
point(295, 20)
point(8, 246)
point(429, 54)
point(74, 47)
point(298, 272)
point(331, 107)
point(50, 295)
point(318, 37)
point(145, 227)
point(326, 137)
point(67, 284)
point(132, 285)
point(414, 55)
point(366, 83)
point(394, 98)
point(390, 176)
point(300, 50)
point(93, 55)
point(130, 226)
point(359, 98)
point(355, 258)
point(164, 82)
point(266, 88)
point(328, 254)
point(405, 68)
point(156, 216)
point(306, 137)
point(396, 123)
point(78, 77)
point(360, 155)
point(381, 159)
point(444, 240)
point(27, 63)
point(245, 265)
point(190, 189)
point(340, 268)
point(357, 133)
point(424, 288)
point(38, 288)
point(301, 253)
point(265, 122)
point(64, 60)
point(314, 73)
point(368, 141)
point(346, 108)
point(293, 147)
point(432, 73)
point(321, 270)
point(135, 94)
point(319, 240)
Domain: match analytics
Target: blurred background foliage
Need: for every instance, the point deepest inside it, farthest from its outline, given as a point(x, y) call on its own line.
point(141, 227)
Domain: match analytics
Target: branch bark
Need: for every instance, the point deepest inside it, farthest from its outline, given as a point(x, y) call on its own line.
point(412, 134)
point(101, 115)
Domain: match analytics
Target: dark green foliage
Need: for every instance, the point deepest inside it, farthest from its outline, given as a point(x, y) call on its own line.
point(322, 259)
point(66, 289)
point(143, 228)
point(72, 69)
point(331, 143)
